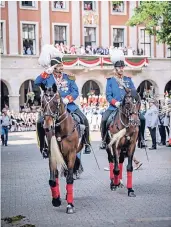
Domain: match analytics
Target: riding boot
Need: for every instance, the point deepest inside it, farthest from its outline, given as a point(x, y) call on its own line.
point(86, 138)
point(41, 138)
point(103, 127)
point(87, 141)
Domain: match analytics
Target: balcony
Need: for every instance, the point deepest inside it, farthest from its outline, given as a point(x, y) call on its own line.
point(75, 62)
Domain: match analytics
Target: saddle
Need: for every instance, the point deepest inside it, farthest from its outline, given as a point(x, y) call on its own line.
point(111, 118)
point(80, 124)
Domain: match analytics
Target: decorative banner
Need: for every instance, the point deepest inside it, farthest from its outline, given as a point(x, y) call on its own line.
point(94, 61)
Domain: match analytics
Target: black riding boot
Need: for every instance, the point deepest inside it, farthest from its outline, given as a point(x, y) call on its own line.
point(103, 132)
point(41, 137)
point(86, 134)
point(87, 140)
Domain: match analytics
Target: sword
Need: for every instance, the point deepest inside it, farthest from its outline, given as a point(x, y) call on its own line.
point(95, 157)
point(146, 150)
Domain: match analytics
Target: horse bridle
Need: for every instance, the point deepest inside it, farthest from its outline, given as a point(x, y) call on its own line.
point(56, 115)
point(128, 114)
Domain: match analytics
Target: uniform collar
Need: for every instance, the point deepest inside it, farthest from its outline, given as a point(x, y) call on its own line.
point(59, 76)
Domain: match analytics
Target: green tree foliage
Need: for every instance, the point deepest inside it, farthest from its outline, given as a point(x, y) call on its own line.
point(156, 17)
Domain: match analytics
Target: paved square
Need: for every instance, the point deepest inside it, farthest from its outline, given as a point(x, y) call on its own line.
point(25, 190)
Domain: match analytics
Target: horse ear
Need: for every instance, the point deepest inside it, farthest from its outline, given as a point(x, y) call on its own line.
point(54, 87)
point(43, 87)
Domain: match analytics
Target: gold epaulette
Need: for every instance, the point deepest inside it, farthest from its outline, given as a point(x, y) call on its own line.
point(71, 76)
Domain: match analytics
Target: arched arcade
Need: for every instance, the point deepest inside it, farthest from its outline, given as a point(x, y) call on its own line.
point(4, 95)
point(29, 94)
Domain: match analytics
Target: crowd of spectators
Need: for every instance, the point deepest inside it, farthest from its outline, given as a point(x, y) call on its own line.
point(23, 121)
point(89, 50)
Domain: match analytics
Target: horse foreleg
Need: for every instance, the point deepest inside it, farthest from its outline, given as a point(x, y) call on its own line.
point(129, 171)
point(116, 170)
point(111, 167)
point(69, 181)
point(121, 160)
point(54, 186)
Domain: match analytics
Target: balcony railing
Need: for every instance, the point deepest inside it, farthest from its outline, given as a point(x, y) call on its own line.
point(102, 61)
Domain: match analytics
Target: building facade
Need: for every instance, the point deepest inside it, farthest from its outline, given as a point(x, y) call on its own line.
point(27, 25)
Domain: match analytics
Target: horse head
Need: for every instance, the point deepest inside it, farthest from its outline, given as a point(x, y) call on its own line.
point(51, 104)
point(131, 102)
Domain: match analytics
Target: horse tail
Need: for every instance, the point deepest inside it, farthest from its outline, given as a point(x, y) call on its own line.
point(116, 137)
point(56, 158)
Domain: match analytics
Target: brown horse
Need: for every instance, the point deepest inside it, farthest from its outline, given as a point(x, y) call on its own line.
point(64, 142)
point(121, 140)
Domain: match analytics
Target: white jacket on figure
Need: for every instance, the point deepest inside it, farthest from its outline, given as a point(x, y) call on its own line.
point(151, 117)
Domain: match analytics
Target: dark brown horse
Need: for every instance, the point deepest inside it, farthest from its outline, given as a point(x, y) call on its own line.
point(64, 142)
point(121, 140)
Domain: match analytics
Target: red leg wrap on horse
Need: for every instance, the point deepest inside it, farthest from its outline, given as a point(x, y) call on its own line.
point(116, 179)
point(69, 188)
point(111, 167)
point(55, 190)
point(129, 179)
point(120, 170)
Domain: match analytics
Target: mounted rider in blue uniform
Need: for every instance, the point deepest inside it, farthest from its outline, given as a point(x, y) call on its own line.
point(51, 59)
point(115, 89)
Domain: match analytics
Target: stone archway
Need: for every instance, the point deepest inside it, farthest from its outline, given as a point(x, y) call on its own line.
point(168, 87)
point(146, 89)
point(89, 86)
point(4, 95)
point(26, 87)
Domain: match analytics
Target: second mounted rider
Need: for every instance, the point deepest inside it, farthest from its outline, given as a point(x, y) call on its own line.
point(117, 84)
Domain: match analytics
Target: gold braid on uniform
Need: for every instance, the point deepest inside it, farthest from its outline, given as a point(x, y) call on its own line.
point(71, 76)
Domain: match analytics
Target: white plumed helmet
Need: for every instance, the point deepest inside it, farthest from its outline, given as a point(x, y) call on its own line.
point(48, 52)
point(117, 57)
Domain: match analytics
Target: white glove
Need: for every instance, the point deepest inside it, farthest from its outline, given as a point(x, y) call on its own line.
point(117, 104)
point(65, 101)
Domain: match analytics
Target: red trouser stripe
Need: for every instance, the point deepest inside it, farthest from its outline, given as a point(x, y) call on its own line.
point(69, 188)
point(111, 167)
point(55, 190)
point(120, 170)
point(116, 179)
point(129, 179)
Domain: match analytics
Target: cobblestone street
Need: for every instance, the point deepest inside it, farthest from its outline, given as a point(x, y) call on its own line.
point(25, 189)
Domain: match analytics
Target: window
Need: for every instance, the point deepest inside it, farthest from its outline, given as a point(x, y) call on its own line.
point(89, 5)
point(90, 36)
point(145, 43)
point(28, 4)
point(2, 3)
point(29, 39)
point(1, 40)
point(60, 34)
point(118, 37)
point(59, 5)
point(118, 8)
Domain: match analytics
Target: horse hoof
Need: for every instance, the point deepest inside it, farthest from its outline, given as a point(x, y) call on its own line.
point(70, 209)
point(131, 193)
point(113, 187)
point(56, 202)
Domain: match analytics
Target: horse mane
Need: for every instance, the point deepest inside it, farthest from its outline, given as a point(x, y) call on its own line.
point(134, 94)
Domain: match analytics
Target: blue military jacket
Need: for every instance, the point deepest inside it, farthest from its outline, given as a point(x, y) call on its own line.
point(67, 88)
point(114, 93)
